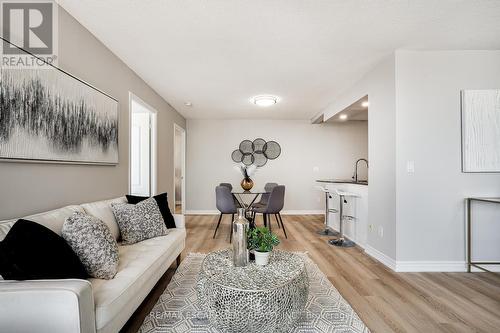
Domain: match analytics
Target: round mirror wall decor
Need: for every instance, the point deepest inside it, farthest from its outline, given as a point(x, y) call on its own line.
point(256, 152)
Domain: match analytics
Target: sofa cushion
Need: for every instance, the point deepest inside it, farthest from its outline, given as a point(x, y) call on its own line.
point(102, 210)
point(31, 251)
point(54, 219)
point(92, 241)
point(162, 201)
point(5, 226)
point(139, 222)
point(141, 266)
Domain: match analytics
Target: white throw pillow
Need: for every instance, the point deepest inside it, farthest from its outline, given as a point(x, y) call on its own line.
point(93, 243)
point(139, 222)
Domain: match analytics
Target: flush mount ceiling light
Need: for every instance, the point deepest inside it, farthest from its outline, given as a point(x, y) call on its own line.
point(188, 104)
point(343, 117)
point(265, 100)
point(365, 104)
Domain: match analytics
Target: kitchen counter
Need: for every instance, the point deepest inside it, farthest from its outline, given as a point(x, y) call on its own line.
point(355, 229)
point(342, 181)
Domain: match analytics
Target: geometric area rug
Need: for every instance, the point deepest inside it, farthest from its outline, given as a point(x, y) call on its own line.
point(177, 309)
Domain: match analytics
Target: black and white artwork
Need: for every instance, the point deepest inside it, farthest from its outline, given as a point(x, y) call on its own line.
point(49, 115)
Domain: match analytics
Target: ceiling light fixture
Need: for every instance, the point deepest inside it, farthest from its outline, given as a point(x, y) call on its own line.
point(365, 104)
point(188, 104)
point(343, 117)
point(265, 100)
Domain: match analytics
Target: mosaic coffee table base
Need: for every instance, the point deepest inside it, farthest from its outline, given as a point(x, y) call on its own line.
point(254, 298)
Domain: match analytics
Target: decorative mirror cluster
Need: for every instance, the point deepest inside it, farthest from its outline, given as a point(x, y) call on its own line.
point(257, 152)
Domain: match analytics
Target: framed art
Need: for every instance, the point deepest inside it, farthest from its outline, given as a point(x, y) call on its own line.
point(47, 114)
point(481, 130)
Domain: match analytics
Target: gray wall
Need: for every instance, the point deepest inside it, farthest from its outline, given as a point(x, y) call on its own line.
point(430, 210)
point(379, 85)
point(27, 188)
point(309, 152)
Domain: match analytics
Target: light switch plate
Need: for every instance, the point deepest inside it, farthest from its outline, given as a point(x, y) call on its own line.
point(410, 167)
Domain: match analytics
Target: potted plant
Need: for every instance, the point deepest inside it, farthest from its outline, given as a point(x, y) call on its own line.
point(262, 241)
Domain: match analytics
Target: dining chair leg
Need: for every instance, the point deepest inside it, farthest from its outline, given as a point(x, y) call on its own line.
point(282, 225)
point(231, 229)
point(218, 223)
point(264, 219)
point(277, 221)
point(269, 221)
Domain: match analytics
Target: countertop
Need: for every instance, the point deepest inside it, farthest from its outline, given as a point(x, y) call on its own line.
point(342, 181)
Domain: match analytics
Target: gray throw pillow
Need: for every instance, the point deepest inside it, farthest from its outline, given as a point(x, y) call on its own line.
point(93, 243)
point(139, 222)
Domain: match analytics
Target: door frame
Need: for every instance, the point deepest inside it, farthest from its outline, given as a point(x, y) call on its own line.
point(153, 140)
point(183, 168)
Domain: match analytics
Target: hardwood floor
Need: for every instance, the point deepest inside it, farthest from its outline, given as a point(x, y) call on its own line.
point(385, 301)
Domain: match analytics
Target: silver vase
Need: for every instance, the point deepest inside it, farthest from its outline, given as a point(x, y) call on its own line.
point(240, 228)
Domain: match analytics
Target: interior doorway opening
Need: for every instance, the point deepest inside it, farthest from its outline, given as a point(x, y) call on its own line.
point(142, 170)
point(179, 169)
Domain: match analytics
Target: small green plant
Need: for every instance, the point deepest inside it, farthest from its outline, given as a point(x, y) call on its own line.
point(261, 239)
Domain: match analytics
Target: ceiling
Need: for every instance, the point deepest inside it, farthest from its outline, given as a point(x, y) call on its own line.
point(217, 54)
point(354, 112)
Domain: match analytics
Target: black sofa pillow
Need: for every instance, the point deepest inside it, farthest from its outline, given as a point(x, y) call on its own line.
point(161, 200)
point(31, 251)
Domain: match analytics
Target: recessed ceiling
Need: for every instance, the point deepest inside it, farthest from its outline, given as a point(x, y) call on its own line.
point(217, 54)
point(357, 111)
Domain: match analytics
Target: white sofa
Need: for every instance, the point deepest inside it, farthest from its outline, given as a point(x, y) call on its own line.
point(92, 305)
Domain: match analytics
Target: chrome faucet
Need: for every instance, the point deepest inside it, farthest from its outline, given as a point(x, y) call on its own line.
point(355, 177)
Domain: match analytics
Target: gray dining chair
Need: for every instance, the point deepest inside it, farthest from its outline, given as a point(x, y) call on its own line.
point(230, 187)
point(274, 206)
point(224, 201)
point(265, 197)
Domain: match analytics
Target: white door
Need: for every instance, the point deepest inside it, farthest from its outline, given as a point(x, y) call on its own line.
point(142, 148)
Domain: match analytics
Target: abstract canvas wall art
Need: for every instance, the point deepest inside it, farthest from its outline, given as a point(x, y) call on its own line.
point(481, 130)
point(50, 115)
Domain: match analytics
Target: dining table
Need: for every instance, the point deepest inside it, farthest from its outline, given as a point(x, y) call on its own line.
point(250, 196)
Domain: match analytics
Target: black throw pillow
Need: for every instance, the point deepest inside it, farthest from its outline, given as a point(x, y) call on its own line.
point(31, 251)
point(161, 200)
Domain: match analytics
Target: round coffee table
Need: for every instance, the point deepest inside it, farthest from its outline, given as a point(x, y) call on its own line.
point(253, 298)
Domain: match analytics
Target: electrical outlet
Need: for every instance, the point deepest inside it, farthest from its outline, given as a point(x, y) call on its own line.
point(381, 231)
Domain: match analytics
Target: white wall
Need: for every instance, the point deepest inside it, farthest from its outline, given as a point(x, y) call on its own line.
point(414, 115)
point(430, 209)
point(333, 148)
point(379, 85)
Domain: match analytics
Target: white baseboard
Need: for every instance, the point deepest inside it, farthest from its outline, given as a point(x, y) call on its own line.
point(285, 212)
point(202, 212)
point(303, 212)
point(491, 268)
point(430, 266)
point(383, 258)
point(439, 266)
point(423, 266)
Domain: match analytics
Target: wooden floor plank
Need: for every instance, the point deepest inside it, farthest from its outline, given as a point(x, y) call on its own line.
point(386, 301)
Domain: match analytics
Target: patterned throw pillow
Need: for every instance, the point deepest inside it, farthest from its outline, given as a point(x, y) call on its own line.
point(93, 243)
point(139, 222)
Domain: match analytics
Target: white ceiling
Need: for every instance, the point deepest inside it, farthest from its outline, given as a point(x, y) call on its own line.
point(218, 53)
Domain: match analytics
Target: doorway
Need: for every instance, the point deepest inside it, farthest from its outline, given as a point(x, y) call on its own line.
point(179, 169)
point(142, 170)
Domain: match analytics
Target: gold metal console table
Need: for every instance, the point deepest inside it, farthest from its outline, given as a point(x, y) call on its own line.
point(471, 263)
